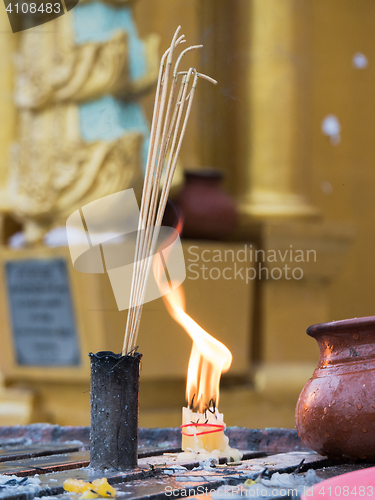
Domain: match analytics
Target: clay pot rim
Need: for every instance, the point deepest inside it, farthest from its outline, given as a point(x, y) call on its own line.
point(341, 326)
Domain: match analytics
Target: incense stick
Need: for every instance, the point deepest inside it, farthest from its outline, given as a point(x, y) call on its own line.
point(148, 181)
point(169, 122)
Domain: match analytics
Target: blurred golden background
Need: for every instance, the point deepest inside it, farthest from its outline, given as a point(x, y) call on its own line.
point(290, 123)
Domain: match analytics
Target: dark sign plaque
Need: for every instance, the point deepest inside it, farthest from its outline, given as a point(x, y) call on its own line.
point(41, 311)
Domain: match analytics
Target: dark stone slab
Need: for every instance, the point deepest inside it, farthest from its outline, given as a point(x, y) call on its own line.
point(342, 468)
point(166, 438)
point(42, 465)
point(266, 440)
point(44, 433)
point(25, 452)
point(53, 459)
point(268, 451)
point(151, 482)
point(272, 440)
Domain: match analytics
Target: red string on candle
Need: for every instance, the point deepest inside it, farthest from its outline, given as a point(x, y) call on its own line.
point(218, 428)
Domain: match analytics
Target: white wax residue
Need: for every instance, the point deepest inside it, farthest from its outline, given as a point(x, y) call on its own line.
point(203, 455)
point(16, 486)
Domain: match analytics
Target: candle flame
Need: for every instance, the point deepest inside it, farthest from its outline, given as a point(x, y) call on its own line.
point(209, 358)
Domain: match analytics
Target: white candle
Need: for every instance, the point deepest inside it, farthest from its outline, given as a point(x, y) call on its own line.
point(207, 437)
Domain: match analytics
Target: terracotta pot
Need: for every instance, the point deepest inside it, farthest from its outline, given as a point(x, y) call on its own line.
point(208, 211)
point(335, 413)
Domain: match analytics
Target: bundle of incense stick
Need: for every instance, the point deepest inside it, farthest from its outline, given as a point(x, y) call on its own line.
point(173, 101)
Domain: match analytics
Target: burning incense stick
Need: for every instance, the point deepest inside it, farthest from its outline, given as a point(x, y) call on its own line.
point(169, 122)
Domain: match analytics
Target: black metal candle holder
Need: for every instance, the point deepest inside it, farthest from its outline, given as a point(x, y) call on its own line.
point(114, 410)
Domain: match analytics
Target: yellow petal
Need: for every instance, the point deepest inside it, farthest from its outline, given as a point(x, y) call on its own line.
point(88, 494)
point(249, 482)
point(85, 487)
point(74, 485)
point(103, 488)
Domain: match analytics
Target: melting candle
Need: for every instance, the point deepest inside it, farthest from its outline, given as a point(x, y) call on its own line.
point(203, 431)
point(203, 434)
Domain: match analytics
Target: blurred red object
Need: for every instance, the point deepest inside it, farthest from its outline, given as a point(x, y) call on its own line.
point(208, 211)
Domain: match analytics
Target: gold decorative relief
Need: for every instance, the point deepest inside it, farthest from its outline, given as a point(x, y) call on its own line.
point(52, 69)
point(54, 171)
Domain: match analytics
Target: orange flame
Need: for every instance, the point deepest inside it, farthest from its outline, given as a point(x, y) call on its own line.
point(209, 358)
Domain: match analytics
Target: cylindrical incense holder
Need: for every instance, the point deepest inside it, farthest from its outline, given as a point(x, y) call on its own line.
point(114, 410)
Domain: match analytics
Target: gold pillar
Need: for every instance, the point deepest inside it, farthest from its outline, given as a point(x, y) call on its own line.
point(8, 42)
point(275, 180)
point(15, 404)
